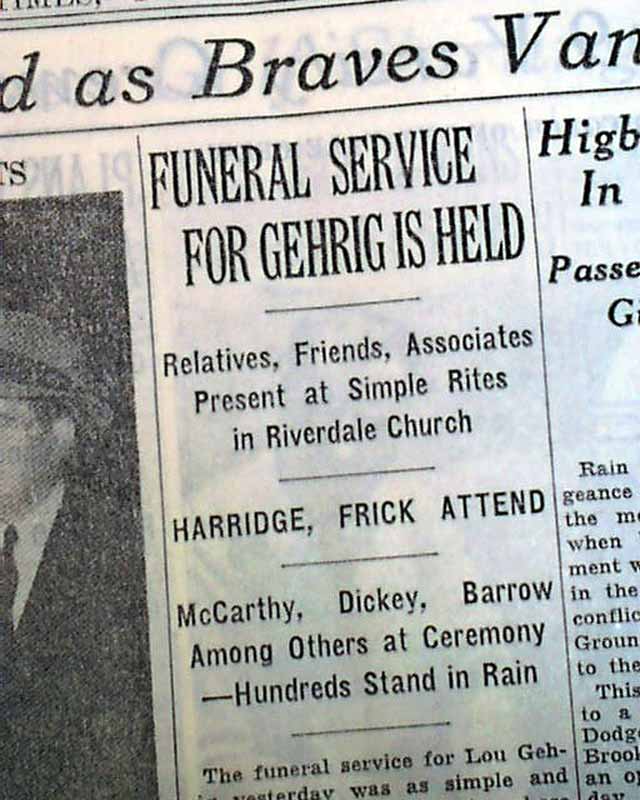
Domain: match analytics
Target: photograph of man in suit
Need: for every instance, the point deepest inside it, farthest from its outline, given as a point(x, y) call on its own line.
point(75, 682)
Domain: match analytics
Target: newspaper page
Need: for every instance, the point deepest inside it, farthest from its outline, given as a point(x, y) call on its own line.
point(319, 335)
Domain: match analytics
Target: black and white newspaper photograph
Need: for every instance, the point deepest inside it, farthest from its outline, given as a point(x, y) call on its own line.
point(75, 670)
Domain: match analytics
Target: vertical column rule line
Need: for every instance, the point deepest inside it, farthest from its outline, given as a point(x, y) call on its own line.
point(143, 196)
point(551, 451)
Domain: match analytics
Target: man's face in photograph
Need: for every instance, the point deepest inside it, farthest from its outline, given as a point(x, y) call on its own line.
point(34, 441)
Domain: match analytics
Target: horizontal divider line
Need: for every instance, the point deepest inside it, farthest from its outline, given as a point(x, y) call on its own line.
point(444, 724)
point(363, 559)
point(295, 479)
point(142, 17)
point(134, 11)
point(355, 304)
point(320, 113)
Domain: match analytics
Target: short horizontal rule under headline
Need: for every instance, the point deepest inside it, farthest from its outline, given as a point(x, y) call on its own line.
point(313, 247)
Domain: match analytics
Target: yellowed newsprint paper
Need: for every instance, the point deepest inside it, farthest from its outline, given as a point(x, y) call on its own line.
point(319, 417)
